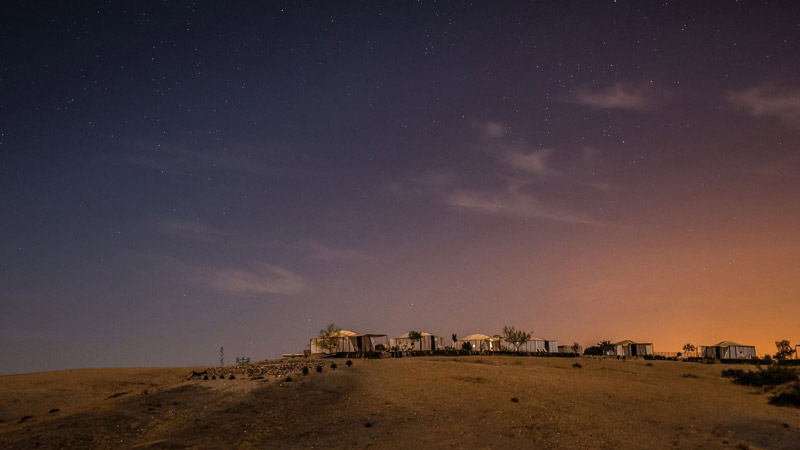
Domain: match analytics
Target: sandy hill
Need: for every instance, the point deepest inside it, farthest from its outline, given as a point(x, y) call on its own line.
point(429, 402)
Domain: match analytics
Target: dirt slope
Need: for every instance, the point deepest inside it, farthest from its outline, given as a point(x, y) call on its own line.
point(423, 402)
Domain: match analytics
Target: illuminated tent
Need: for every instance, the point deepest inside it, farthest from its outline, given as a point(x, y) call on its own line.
point(480, 343)
point(428, 342)
point(630, 348)
point(728, 350)
point(347, 342)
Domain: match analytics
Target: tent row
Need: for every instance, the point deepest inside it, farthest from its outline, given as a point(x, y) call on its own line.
point(344, 341)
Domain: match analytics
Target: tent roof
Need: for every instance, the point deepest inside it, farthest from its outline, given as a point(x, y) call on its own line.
point(630, 342)
point(405, 336)
point(475, 337)
point(728, 344)
point(344, 333)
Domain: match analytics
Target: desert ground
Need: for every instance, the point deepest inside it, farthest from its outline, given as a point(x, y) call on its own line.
point(423, 402)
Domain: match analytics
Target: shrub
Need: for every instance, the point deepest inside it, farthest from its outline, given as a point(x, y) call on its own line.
point(380, 347)
point(789, 397)
point(577, 365)
point(232, 376)
point(205, 377)
point(333, 366)
point(514, 400)
point(319, 368)
point(349, 363)
point(305, 371)
point(213, 377)
point(288, 379)
point(771, 376)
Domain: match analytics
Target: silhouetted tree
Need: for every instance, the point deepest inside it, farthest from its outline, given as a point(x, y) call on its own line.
point(515, 337)
point(329, 338)
point(576, 348)
point(455, 338)
point(785, 349)
point(605, 346)
point(689, 348)
point(416, 336)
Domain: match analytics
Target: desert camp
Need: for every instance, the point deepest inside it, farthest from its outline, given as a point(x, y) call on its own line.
point(728, 350)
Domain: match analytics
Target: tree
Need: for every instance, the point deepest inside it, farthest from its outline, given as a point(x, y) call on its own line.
point(466, 346)
point(329, 338)
point(515, 337)
point(455, 338)
point(605, 346)
point(785, 349)
point(416, 336)
point(576, 348)
point(689, 348)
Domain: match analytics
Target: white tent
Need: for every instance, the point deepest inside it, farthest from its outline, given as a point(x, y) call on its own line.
point(630, 348)
point(480, 343)
point(533, 345)
point(346, 342)
point(428, 342)
point(728, 350)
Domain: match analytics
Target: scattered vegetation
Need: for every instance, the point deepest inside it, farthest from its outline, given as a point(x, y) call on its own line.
point(515, 337)
point(305, 371)
point(789, 397)
point(333, 366)
point(213, 377)
point(514, 400)
point(600, 349)
point(689, 348)
point(54, 410)
point(368, 425)
point(466, 346)
point(288, 379)
point(577, 365)
point(771, 376)
point(319, 369)
point(349, 363)
point(222, 377)
point(455, 338)
point(231, 377)
point(24, 418)
point(205, 377)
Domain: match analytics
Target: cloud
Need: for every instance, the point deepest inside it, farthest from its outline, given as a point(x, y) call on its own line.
point(511, 204)
point(323, 252)
point(494, 129)
point(262, 279)
point(616, 96)
point(535, 162)
point(180, 159)
point(771, 101)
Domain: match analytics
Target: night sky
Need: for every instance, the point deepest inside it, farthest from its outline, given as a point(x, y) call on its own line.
point(179, 177)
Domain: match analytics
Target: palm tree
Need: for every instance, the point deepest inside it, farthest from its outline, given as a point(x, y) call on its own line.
point(689, 348)
point(455, 338)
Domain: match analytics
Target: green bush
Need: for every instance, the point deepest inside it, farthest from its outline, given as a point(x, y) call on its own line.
point(305, 371)
point(349, 363)
point(771, 376)
point(333, 366)
point(319, 368)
